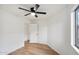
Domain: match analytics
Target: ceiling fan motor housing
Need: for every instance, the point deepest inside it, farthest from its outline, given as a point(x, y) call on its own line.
point(32, 9)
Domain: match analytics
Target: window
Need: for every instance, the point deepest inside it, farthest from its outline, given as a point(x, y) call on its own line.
point(77, 27)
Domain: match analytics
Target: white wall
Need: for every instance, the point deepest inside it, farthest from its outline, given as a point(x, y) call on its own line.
point(42, 31)
point(59, 37)
point(11, 32)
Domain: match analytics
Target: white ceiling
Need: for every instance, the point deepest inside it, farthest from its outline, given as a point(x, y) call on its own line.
point(51, 9)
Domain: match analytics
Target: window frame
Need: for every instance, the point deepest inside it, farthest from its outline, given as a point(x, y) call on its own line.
point(73, 28)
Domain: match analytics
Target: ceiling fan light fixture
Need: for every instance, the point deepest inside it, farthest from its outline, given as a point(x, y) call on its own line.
point(33, 14)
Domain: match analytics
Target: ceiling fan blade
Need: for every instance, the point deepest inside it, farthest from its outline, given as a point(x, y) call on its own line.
point(36, 16)
point(41, 12)
point(24, 9)
point(27, 14)
point(37, 6)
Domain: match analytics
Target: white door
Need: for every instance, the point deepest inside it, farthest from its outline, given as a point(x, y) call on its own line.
point(33, 33)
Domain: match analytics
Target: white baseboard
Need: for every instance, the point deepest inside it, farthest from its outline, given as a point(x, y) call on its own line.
point(51, 46)
point(43, 43)
point(11, 50)
point(40, 42)
point(75, 48)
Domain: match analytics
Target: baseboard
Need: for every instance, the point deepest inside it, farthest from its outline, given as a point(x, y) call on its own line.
point(42, 42)
point(11, 50)
point(75, 48)
point(38, 42)
point(51, 46)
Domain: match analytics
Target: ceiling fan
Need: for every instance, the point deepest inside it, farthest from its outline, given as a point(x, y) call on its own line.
point(33, 10)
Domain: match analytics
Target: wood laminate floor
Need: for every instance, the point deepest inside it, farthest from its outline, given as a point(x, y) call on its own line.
point(34, 49)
